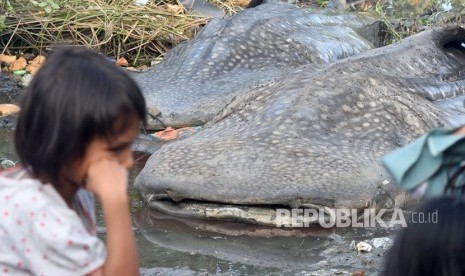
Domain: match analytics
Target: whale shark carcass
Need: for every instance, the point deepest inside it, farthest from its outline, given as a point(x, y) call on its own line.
point(313, 138)
point(198, 79)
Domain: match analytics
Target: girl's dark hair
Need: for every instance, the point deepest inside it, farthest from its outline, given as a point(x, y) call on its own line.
point(434, 248)
point(76, 96)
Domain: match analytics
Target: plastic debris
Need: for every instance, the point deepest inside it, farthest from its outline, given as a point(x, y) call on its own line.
point(5, 163)
point(384, 243)
point(243, 3)
point(7, 59)
point(8, 109)
point(19, 72)
point(446, 5)
point(18, 64)
point(35, 64)
point(170, 133)
point(122, 62)
point(140, 2)
point(363, 247)
point(26, 79)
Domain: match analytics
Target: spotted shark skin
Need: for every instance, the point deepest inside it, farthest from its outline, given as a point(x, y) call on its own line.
point(314, 137)
point(229, 56)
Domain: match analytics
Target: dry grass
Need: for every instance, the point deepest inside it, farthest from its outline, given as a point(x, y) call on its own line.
point(230, 6)
point(115, 28)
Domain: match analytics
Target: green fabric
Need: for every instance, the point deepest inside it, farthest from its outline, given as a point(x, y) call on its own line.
point(432, 158)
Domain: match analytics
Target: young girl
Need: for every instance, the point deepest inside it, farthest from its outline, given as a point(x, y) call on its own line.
point(79, 116)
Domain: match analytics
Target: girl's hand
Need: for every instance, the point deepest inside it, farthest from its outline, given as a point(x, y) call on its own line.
point(107, 179)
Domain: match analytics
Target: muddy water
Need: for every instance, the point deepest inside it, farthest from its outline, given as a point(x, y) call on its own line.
point(181, 246)
point(220, 247)
point(7, 149)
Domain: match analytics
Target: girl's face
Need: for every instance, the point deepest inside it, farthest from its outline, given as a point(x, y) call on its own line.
point(117, 148)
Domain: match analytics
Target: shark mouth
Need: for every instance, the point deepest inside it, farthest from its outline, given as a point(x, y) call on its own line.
point(295, 213)
point(266, 215)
